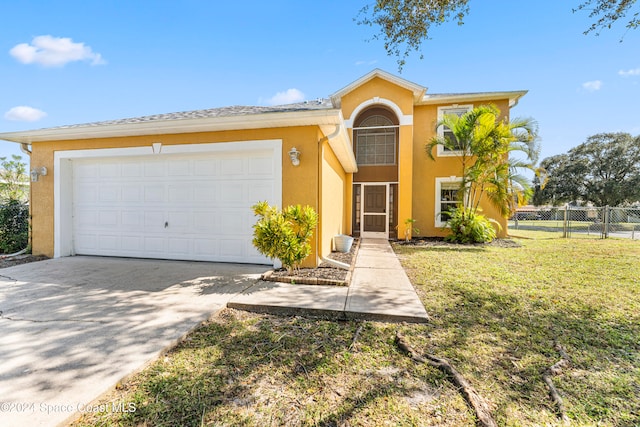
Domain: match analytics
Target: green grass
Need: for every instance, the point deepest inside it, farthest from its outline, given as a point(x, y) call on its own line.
point(496, 313)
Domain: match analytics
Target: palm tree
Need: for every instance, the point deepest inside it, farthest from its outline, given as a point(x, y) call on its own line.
point(485, 146)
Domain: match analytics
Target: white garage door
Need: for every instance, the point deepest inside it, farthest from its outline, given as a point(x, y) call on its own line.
point(175, 206)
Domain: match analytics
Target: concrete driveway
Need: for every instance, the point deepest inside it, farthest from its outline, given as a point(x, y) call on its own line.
point(71, 328)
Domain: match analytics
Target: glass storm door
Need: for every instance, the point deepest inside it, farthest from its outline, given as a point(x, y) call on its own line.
point(374, 213)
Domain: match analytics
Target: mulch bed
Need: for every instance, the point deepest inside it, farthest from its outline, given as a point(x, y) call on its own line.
point(20, 259)
point(324, 274)
point(440, 242)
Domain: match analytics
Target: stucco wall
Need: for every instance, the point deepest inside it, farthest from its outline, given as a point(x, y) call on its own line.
point(333, 183)
point(425, 170)
point(299, 184)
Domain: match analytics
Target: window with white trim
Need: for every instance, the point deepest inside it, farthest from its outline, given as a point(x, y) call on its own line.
point(445, 132)
point(447, 198)
point(376, 141)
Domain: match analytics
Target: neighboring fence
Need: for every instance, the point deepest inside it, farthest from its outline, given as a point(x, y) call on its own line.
point(573, 221)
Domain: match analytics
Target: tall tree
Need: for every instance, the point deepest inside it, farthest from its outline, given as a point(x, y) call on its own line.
point(405, 24)
point(604, 170)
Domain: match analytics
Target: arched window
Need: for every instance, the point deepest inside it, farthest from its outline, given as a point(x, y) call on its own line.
point(376, 140)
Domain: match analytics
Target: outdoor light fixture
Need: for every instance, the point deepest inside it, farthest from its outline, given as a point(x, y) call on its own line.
point(294, 155)
point(36, 172)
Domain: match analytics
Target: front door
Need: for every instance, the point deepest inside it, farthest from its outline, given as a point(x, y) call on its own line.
point(374, 214)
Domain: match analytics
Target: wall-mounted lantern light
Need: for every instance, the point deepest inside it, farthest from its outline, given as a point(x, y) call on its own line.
point(37, 172)
point(294, 155)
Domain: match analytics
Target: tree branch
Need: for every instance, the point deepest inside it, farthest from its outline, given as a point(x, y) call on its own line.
point(556, 369)
point(473, 399)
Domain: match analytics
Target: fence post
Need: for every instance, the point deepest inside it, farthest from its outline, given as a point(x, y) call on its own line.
point(565, 221)
point(605, 228)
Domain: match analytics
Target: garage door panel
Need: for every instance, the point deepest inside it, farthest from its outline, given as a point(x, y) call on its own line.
point(109, 193)
point(154, 168)
point(109, 170)
point(86, 243)
point(179, 168)
point(230, 224)
point(181, 193)
point(154, 192)
point(108, 243)
point(86, 217)
point(131, 169)
point(87, 194)
point(155, 245)
point(231, 193)
point(88, 173)
point(232, 167)
point(180, 246)
point(132, 219)
point(132, 193)
point(131, 244)
point(262, 166)
point(259, 192)
point(205, 168)
point(108, 218)
point(191, 207)
point(204, 193)
point(180, 221)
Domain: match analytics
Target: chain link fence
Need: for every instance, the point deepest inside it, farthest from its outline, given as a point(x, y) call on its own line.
point(575, 222)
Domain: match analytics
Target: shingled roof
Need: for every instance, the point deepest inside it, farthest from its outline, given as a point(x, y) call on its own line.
point(235, 110)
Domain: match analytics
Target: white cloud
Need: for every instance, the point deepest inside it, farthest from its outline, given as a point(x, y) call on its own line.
point(51, 51)
point(629, 73)
point(23, 113)
point(287, 97)
point(592, 86)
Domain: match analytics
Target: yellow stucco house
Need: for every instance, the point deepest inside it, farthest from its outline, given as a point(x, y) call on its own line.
point(180, 186)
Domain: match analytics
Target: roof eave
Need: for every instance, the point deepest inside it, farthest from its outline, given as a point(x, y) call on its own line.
point(340, 143)
point(159, 127)
point(512, 96)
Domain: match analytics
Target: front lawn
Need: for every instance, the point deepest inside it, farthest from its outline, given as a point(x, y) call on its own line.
point(496, 313)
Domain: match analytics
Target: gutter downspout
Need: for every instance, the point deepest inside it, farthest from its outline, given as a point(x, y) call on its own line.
point(24, 147)
point(335, 133)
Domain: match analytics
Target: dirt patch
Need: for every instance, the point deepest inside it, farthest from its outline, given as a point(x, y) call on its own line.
point(20, 259)
point(324, 274)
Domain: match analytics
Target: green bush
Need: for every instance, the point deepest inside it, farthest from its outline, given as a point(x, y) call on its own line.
point(286, 234)
point(14, 226)
point(470, 227)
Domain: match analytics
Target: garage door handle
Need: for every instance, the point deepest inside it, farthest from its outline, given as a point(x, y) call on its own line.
point(166, 224)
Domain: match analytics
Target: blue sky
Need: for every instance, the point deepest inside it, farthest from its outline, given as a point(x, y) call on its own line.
point(83, 61)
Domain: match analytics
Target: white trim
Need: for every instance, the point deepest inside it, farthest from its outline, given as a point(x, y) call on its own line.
point(439, 181)
point(442, 110)
point(403, 119)
point(512, 96)
point(63, 177)
point(418, 90)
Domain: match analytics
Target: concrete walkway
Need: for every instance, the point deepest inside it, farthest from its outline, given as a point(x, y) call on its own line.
point(379, 290)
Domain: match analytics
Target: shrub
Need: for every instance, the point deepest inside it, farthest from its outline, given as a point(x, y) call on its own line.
point(14, 226)
point(284, 235)
point(470, 227)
